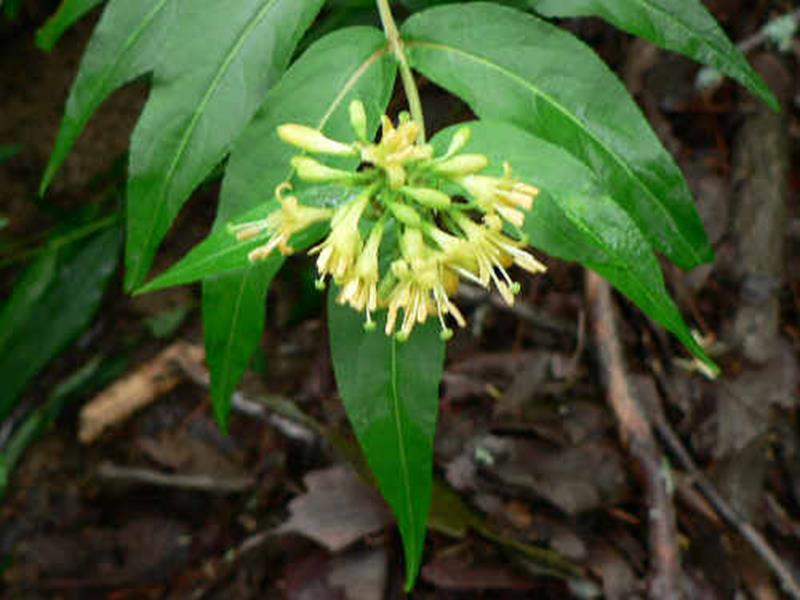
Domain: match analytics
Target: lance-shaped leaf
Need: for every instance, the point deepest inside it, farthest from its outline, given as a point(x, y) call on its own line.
point(316, 91)
point(51, 304)
point(127, 42)
point(390, 391)
point(511, 66)
point(221, 253)
point(683, 26)
point(574, 219)
point(221, 60)
point(68, 13)
point(233, 322)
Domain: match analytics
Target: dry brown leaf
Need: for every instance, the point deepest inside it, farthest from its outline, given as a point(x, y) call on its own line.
point(337, 510)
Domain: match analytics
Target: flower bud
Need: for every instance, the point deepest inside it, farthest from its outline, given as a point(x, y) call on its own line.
point(460, 139)
point(428, 197)
point(405, 214)
point(313, 140)
point(461, 165)
point(314, 171)
point(358, 119)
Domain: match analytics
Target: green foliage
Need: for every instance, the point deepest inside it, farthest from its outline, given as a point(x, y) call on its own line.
point(546, 81)
point(68, 13)
point(683, 26)
point(351, 63)
point(223, 80)
point(391, 393)
point(203, 95)
point(575, 219)
point(90, 376)
point(52, 303)
point(127, 43)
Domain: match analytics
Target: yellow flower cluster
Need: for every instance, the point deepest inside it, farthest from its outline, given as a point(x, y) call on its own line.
point(447, 220)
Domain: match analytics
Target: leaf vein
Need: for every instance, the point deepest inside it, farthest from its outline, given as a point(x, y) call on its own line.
point(537, 91)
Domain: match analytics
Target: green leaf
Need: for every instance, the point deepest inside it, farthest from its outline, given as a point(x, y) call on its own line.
point(233, 324)
point(316, 91)
point(220, 253)
point(348, 64)
point(220, 61)
point(127, 42)
point(68, 13)
point(51, 304)
point(683, 26)
point(574, 219)
point(511, 66)
point(41, 418)
point(390, 391)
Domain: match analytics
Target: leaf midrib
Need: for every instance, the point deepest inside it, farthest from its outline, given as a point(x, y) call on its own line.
point(348, 86)
point(232, 330)
point(97, 94)
point(535, 90)
point(721, 49)
point(394, 394)
point(196, 116)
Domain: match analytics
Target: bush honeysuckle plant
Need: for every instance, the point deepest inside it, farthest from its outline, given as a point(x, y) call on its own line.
point(289, 97)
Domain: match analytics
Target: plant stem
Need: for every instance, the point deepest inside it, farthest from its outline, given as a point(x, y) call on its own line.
point(396, 46)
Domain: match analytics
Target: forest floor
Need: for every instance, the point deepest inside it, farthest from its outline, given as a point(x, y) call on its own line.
point(579, 451)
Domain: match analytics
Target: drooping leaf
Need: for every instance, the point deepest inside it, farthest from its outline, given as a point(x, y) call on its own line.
point(221, 60)
point(316, 91)
point(51, 304)
point(68, 13)
point(683, 26)
point(127, 42)
point(512, 66)
point(233, 323)
point(390, 391)
point(574, 219)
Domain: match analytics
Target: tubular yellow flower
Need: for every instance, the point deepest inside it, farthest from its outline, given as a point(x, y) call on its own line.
point(461, 165)
point(459, 255)
point(502, 195)
point(428, 197)
point(282, 224)
point(360, 285)
point(313, 140)
point(459, 140)
point(423, 288)
point(339, 251)
point(494, 251)
point(358, 119)
point(404, 185)
point(314, 171)
point(396, 150)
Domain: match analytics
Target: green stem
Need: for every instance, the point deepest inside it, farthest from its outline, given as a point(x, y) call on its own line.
point(396, 46)
point(57, 243)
